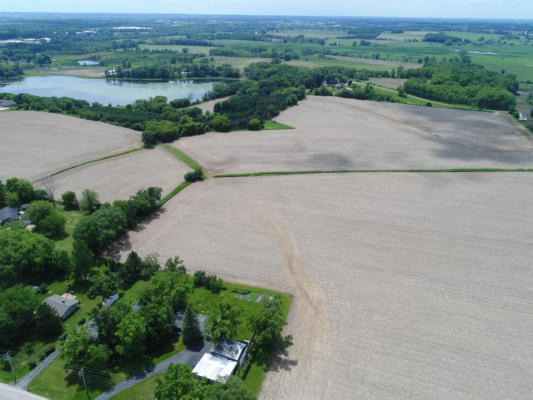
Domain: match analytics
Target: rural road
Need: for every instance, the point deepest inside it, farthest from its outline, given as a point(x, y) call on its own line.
point(187, 356)
point(8, 392)
point(25, 381)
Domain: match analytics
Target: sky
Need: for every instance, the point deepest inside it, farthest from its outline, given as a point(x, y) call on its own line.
point(513, 9)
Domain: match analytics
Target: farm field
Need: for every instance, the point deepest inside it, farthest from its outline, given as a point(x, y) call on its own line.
point(43, 143)
point(373, 318)
point(177, 47)
point(333, 133)
point(378, 62)
point(120, 177)
point(239, 62)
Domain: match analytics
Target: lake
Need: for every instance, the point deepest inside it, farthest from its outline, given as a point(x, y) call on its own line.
point(106, 91)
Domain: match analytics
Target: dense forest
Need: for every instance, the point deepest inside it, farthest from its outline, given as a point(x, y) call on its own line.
point(461, 82)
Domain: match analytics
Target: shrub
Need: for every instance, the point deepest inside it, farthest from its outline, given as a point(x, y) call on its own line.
point(180, 103)
point(32, 364)
point(89, 201)
point(196, 175)
point(148, 139)
point(69, 200)
point(199, 278)
point(220, 123)
point(255, 124)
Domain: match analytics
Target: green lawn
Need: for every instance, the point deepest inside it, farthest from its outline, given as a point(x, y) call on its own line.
point(273, 125)
point(140, 391)
point(72, 218)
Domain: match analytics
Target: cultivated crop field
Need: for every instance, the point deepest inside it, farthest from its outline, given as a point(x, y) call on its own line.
point(406, 285)
point(35, 144)
point(334, 133)
point(120, 177)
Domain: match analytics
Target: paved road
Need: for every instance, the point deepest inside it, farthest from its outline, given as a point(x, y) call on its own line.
point(188, 356)
point(25, 381)
point(8, 392)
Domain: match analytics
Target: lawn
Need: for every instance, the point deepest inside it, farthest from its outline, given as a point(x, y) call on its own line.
point(273, 125)
point(140, 391)
point(72, 218)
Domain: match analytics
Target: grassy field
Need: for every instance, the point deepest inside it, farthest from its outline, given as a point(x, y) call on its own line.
point(72, 218)
point(140, 391)
point(178, 48)
point(238, 62)
point(273, 125)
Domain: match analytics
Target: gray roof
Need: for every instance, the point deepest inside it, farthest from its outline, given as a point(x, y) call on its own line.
point(230, 349)
point(60, 304)
point(178, 320)
point(7, 103)
point(8, 214)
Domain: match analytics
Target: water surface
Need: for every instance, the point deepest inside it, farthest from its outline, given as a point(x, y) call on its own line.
point(106, 91)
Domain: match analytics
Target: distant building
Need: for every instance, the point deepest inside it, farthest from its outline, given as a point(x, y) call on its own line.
point(64, 307)
point(110, 300)
point(8, 214)
point(222, 361)
point(523, 117)
point(7, 103)
point(92, 328)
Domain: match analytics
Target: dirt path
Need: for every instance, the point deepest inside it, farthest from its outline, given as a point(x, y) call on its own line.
point(308, 320)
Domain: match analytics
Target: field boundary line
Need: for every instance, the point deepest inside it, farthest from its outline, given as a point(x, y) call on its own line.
point(174, 192)
point(186, 159)
point(345, 171)
point(123, 153)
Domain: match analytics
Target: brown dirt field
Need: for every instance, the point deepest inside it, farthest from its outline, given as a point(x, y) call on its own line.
point(35, 144)
point(120, 177)
point(378, 62)
point(406, 286)
point(333, 133)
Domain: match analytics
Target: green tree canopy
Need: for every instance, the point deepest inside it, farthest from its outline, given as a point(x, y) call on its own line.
point(190, 328)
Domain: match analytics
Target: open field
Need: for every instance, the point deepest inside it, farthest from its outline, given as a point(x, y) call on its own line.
point(87, 72)
point(406, 286)
point(120, 177)
point(177, 47)
point(239, 62)
point(391, 83)
point(378, 62)
point(35, 144)
point(333, 133)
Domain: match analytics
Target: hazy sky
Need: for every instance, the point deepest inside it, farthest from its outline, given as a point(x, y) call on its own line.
point(390, 8)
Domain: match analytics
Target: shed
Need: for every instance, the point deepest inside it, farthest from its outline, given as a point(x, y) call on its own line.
point(215, 368)
point(64, 307)
point(8, 214)
point(523, 117)
point(110, 300)
point(231, 349)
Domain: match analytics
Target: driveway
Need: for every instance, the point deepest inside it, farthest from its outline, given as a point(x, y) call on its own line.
point(187, 356)
point(25, 381)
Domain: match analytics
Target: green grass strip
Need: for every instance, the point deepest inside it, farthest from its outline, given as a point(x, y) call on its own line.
point(183, 157)
point(343, 171)
point(98, 159)
point(176, 190)
point(271, 125)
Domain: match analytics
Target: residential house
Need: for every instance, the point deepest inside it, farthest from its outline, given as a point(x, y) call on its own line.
point(65, 307)
point(8, 214)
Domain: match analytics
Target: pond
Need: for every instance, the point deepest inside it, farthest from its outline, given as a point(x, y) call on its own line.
point(106, 91)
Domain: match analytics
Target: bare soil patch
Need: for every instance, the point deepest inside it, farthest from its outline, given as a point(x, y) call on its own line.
point(92, 72)
point(210, 105)
point(333, 133)
point(406, 286)
point(35, 144)
point(120, 177)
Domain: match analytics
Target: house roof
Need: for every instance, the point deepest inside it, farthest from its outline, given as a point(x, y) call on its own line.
point(230, 349)
point(60, 303)
point(8, 214)
point(110, 300)
point(178, 320)
point(214, 368)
